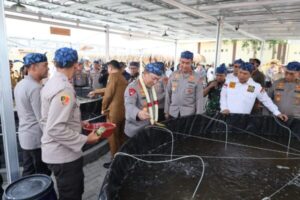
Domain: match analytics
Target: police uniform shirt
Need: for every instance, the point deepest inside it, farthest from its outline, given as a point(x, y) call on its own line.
point(28, 105)
point(81, 79)
point(94, 77)
point(61, 141)
point(160, 88)
point(240, 98)
point(184, 94)
point(135, 101)
point(286, 96)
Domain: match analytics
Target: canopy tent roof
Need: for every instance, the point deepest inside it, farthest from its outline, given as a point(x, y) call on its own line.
point(181, 19)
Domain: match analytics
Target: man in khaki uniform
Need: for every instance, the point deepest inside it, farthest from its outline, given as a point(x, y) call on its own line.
point(137, 109)
point(286, 92)
point(184, 93)
point(113, 105)
point(61, 141)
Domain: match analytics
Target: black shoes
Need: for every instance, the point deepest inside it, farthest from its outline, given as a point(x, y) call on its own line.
point(106, 165)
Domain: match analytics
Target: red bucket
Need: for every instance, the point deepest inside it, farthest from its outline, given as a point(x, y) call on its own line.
point(95, 126)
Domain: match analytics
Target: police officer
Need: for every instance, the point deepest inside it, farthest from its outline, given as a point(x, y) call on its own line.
point(134, 68)
point(184, 92)
point(238, 96)
point(141, 104)
point(286, 92)
point(81, 78)
point(236, 67)
point(160, 88)
point(28, 105)
point(95, 75)
point(61, 141)
point(213, 90)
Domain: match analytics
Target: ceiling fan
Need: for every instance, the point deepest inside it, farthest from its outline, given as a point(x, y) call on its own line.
point(18, 7)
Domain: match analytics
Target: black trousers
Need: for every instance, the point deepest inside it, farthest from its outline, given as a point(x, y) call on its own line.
point(70, 179)
point(33, 164)
point(1, 189)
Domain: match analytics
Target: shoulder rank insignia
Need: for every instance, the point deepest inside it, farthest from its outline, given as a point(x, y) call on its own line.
point(232, 85)
point(251, 88)
point(132, 91)
point(65, 99)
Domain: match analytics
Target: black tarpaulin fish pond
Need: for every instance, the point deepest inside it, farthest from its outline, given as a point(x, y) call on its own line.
point(199, 157)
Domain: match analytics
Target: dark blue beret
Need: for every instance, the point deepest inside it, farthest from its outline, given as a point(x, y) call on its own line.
point(65, 56)
point(155, 68)
point(293, 66)
point(187, 55)
point(33, 58)
point(247, 67)
point(221, 69)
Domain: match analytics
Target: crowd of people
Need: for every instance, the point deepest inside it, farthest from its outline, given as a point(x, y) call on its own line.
point(50, 122)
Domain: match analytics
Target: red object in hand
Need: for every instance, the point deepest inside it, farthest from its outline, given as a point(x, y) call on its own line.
point(95, 126)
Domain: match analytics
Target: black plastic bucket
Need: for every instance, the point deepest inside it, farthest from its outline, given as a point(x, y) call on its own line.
point(33, 187)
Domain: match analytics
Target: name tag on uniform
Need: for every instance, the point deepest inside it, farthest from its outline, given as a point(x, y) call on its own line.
point(250, 88)
point(232, 85)
point(278, 97)
point(297, 89)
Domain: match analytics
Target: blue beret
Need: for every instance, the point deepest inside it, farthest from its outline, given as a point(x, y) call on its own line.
point(33, 58)
point(96, 62)
point(65, 56)
point(293, 66)
point(155, 68)
point(247, 67)
point(187, 55)
point(239, 62)
point(221, 69)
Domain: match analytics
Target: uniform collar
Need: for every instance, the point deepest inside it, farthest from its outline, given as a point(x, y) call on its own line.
point(61, 75)
point(29, 77)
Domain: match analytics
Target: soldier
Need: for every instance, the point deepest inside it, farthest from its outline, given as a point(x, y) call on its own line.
point(238, 96)
point(134, 68)
point(213, 90)
point(286, 92)
point(95, 75)
point(141, 103)
point(61, 141)
point(184, 92)
point(28, 105)
point(236, 67)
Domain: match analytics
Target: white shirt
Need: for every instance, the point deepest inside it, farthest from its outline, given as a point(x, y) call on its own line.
point(231, 77)
point(210, 74)
point(240, 98)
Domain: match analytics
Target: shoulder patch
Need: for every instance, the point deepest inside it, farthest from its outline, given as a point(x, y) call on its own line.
point(132, 91)
point(65, 99)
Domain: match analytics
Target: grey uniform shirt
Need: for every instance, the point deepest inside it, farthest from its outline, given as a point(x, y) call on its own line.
point(160, 88)
point(184, 94)
point(61, 141)
point(28, 105)
point(135, 101)
point(94, 79)
point(286, 96)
